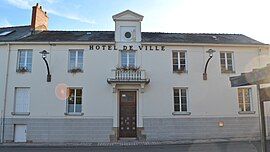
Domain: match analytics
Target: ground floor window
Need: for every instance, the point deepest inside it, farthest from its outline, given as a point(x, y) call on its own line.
point(180, 99)
point(74, 103)
point(244, 99)
point(22, 100)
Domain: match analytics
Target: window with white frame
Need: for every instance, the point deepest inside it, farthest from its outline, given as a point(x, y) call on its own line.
point(179, 61)
point(128, 58)
point(74, 100)
point(22, 100)
point(226, 62)
point(75, 60)
point(24, 61)
point(244, 99)
point(180, 99)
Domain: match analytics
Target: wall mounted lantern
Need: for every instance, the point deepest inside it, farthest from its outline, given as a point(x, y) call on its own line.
point(44, 56)
point(210, 52)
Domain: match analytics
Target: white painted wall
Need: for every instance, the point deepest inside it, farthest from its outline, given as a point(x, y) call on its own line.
point(3, 69)
point(210, 98)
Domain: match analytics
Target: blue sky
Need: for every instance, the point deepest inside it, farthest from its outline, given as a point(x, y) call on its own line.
point(249, 17)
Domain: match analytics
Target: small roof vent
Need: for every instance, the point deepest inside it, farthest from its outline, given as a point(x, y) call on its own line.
point(214, 37)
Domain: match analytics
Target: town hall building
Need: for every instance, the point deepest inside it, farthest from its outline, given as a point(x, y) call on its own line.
point(103, 86)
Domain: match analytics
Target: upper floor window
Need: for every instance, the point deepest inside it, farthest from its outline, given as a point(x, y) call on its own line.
point(179, 61)
point(75, 61)
point(128, 58)
point(180, 99)
point(74, 100)
point(244, 99)
point(226, 62)
point(24, 61)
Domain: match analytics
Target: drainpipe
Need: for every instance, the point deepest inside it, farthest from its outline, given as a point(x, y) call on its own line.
point(5, 98)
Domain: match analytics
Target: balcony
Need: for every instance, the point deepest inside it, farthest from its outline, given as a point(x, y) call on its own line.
point(128, 76)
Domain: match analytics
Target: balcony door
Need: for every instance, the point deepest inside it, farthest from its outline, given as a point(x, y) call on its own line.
point(128, 59)
point(128, 124)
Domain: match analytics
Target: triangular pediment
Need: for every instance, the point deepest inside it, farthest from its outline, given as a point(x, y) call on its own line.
point(127, 15)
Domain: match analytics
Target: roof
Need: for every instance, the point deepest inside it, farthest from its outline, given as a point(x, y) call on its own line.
point(22, 34)
point(14, 33)
point(256, 76)
point(108, 36)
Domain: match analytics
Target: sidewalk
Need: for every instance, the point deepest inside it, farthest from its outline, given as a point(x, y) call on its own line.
point(232, 146)
point(130, 143)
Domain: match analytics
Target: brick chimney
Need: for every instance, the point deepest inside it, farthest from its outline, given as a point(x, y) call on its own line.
point(39, 19)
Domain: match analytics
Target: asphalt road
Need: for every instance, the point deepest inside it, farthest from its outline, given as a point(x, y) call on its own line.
point(210, 147)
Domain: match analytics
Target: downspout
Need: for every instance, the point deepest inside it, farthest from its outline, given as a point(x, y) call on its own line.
point(5, 98)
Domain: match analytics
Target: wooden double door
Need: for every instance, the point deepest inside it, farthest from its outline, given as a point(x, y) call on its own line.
point(128, 119)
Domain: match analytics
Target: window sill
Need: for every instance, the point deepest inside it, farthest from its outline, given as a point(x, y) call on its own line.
point(246, 112)
point(75, 71)
point(74, 114)
point(20, 113)
point(228, 72)
point(181, 113)
point(180, 72)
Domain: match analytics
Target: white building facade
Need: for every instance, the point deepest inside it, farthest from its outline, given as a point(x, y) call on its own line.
point(108, 85)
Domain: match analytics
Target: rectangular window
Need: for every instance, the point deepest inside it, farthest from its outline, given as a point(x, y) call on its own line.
point(22, 100)
point(179, 61)
point(226, 62)
point(74, 103)
point(244, 99)
point(180, 99)
point(75, 60)
point(24, 61)
point(128, 58)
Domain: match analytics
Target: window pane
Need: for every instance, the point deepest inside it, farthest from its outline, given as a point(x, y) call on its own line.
point(229, 55)
point(182, 55)
point(247, 107)
point(176, 108)
point(131, 56)
point(175, 68)
point(229, 61)
point(80, 60)
point(124, 58)
point(72, 59)
point(222, 61)
point(175, 61)
point(175, 55)
point(222, 55)
point(230, 67)
point(183, 92)
point(184, 107)
point(71, 100)
point(182, 61)
point(78, 105)
point(176, 100)
point(22, 56)
point(176, 92)
point(182, 67)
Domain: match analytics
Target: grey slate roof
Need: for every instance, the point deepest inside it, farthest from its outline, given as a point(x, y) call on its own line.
point(108, 36)
point(17, 33)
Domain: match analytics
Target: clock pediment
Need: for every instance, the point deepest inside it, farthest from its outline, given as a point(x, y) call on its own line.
point(127, 15)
